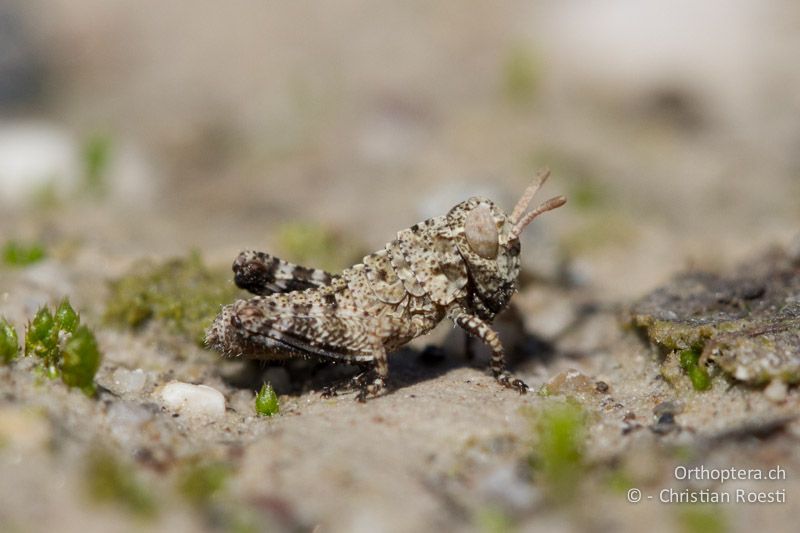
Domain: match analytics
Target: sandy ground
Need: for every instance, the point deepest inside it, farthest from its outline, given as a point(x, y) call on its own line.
point(673, 156)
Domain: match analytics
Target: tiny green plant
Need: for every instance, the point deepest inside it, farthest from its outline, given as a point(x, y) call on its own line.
point(9, 342)
point(201, 482)
point(63, 347)
point(41, 340)
point(702, 519)
point(267, 401)
point(560, 430)
point(110, 481)
point(96, 156)
point(493, 520)
point(80, 360)
point(690, 362)
point(19, 254)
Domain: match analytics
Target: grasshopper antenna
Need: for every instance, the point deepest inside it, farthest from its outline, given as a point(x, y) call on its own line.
point(517, 217)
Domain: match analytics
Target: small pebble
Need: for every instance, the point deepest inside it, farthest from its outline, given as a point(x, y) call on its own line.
point(193, 400)
point(128, 381)
point(776, 391)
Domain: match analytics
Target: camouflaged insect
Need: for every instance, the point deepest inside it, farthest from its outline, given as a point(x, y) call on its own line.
point(462, 266)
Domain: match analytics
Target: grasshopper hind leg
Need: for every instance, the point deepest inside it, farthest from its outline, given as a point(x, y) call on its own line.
point(262, 274)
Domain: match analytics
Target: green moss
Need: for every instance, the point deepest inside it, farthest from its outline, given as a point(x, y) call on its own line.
point(201, 482)
point(493, 520)
point(41, 341)
point(558, 454)
point(9, 342)
point(689, 360)
point(65, 317)
point(314, 245)
point(96, 157)
point(18, 254)
point(80, 360)
point(63, 347)
point(110, 481)
point(521, 75)
point(267, 401)
point(619, 481)
point(702, 519)
point(670, 336)
point(182, 293)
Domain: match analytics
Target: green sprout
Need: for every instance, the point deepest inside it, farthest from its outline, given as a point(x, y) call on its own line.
point(267, 401)
point(108, 480)
point(64, 348)
point(493, 520)
point(702, 519)
point(66, 319)
point(689, 360)
point(41, 340)
point(80, 360)
point(183, 294)
point(9, 342)
point(200, 483)
point(20, 254)
point(560, 431)
point(96, 157)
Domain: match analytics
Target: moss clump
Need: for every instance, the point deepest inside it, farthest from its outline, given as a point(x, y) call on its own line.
point(689, 360)
point(65, 317)
point(558, 454)
point(702, 519)
point(41, 341)
point(9, 342)
point(201, 482)
point(181, 293)
point(96, 157)
point(21, 254)
point(109, 481)
point(267, 401)
point(63, 347)
point(493, 520)
point(80, 360)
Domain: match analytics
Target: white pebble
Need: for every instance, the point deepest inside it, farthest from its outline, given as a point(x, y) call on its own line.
point(193, 400)
point(776, 391)
point(128, 381)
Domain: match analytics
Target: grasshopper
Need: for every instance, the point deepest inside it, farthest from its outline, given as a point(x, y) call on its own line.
point(463, 266)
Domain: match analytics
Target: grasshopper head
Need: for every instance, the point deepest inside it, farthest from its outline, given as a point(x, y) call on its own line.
point(488, 240)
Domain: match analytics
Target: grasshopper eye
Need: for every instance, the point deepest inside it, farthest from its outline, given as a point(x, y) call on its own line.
point(481, 232)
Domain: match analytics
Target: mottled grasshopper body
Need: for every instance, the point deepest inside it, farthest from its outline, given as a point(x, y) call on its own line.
point(463, 266)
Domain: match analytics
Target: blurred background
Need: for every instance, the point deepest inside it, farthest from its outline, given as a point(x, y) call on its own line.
point(150, 128)
point(138, 129)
